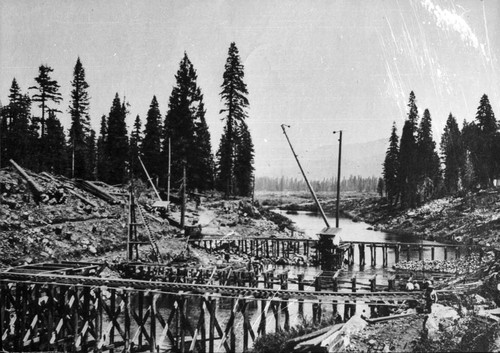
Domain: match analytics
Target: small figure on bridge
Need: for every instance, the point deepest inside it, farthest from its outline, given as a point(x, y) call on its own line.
point(430, 297)
point(416, 286)
point(409, 286)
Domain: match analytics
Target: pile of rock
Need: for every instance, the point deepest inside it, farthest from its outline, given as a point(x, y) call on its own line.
point(80, 223)
point(466, 265)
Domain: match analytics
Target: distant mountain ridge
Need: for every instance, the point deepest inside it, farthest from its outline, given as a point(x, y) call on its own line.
point(363, 159)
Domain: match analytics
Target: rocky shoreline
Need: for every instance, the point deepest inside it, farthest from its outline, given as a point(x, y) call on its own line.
point(471, 219)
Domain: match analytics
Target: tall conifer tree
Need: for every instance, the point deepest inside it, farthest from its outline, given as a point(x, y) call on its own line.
point(224, 162)
point(184, 125)
point(485, 153)
point(102, 160)
point(151, 145)
point(54, 141)
point(92, 157)
point(233, 95)
point(391, 168)
point(243, 166)
point(135, 149)
point(117, 142)
point(204, 169)
point(80, 124)
point(16, 137)
point(452, 150)
point(47, 93)
point(428, 162)
point(408, 168)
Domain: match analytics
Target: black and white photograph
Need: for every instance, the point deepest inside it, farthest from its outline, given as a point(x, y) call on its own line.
point(249, 176)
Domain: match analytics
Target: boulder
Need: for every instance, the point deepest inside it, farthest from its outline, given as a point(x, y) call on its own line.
point(440, 317)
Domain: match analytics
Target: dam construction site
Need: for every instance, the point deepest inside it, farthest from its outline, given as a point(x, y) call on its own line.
point(91, 267)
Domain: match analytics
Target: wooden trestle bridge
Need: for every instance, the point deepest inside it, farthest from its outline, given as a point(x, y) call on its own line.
point(68, 307)
point(287, 247)
point(49, 310)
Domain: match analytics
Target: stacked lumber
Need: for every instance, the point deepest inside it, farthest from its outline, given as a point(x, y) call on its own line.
point(311, 342)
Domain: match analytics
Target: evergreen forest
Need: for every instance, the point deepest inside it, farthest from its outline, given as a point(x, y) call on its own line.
point(416, 169)
point(32, 135)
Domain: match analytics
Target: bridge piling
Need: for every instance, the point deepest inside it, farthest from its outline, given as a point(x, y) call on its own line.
point(361, 250)
point(373, 253)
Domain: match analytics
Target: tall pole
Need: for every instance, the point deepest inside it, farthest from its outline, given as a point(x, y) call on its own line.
point(73, 157)
point(168, 172)
point(183, 207)
point(149, 178)
point(337, 212)
point(305, 178)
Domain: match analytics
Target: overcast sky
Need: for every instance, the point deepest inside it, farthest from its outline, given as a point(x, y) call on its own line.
point(318, 66)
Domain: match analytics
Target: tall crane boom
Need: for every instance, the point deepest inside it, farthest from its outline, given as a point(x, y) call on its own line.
point(305, 178)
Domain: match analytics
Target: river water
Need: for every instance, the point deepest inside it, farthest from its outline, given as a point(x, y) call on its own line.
point(312, 224)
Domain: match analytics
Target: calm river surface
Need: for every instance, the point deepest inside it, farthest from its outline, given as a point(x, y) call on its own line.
point(312, 224)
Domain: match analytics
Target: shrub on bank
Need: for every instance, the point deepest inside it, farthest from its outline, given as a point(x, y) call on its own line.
point(471, 334)
point(275, 342)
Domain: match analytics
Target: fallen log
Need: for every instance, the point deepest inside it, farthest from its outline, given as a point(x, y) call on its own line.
point(84, 199)
point(154, 218)
point(65, 184)
point(388, 318)
point(96, 191)
point(311, 339)
point(35, 188)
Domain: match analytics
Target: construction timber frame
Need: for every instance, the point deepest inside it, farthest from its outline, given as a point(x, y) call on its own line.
point(47, 312)
point(289, 247)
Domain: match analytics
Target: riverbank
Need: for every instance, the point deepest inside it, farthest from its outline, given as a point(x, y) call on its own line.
point(70, 223)
point(469, 219)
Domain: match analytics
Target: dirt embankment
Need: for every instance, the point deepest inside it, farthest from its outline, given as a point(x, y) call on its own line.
point(472, 219)
point(71, 223)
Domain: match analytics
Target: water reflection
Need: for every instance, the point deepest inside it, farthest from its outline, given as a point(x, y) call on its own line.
point(312, 223)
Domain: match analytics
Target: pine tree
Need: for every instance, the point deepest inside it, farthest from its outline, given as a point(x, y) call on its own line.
point(182, 126)
point(233, 94)
point(203, 171)
point(15, 133)
point(243, 163)
point(391, 168)
point(54, 143)
point(35, 158)
point(485, 154)
point(380, 187)
point(135, 148)
point(102, 160)
point(428, 162)
point(408, 168)
point(48, 92)
point(224, 162)
point(92, 155)
point(80, 124)
point(452, 150)
point(151, 144)
point(117, 142)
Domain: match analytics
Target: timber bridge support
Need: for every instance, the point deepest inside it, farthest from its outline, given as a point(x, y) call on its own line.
point(47, 312)
point(358, 252)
